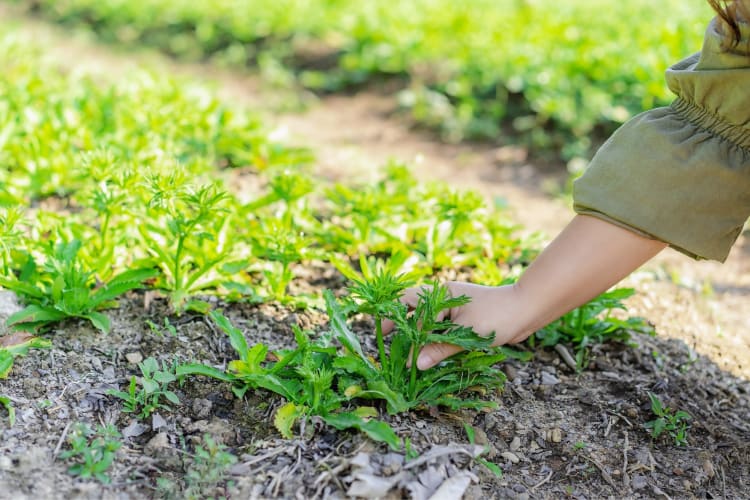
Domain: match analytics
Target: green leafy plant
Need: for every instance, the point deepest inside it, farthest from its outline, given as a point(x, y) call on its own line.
point(377, 290)
point(674, 423)
point(208, 468)
point(10, 235)
point(281, 246)
point(304, 376)
point(441, 385)
point(186, 228)
point(8, 405)
point(154, 383)
point(15, 345)
point(493, 80)
point(62, 288)
point(93, 451)
point(593, 323)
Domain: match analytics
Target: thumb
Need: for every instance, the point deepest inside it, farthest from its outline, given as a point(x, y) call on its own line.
point(432, 354)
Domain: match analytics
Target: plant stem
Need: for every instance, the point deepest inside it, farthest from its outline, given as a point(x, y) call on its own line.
point(579, 320)
point(177, 256)
point(413, 372)
point(381, 346)
point(105, 227)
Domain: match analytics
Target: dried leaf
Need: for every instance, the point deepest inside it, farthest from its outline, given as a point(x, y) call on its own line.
point(453, 487)
point(15, 339)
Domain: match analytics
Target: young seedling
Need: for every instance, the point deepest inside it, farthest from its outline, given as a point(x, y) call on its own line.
point(207, 470)
point(154, 384)
point(62, 288)
point(492, 467)
point(181, 220)
point(592, 323)
point(282, 246)
point(10, 235)
point(8, 405)
point(15, 345)
point(437, 386)
point(306, 377)
point(674, 423)
point(11, 347)
point(92, 451)
point(376, 291)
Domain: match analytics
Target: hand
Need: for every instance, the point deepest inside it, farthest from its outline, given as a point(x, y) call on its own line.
point(492, 309)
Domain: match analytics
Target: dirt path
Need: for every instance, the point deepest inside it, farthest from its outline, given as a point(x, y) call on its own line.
point(703, 303)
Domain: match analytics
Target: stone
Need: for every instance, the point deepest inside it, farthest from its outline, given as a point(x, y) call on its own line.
point(638, 482)
point(156, 444)
point(134, 357)
point(202, 408)
point(515, 444)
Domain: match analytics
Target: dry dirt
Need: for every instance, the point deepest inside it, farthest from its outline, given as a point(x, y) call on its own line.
point(556, 434)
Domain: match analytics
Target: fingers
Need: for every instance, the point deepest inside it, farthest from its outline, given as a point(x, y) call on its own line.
point(432, 354)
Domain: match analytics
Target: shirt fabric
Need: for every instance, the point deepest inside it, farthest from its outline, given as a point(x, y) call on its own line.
point(681, 173)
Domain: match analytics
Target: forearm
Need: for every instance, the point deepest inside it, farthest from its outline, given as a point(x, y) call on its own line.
point(587, 258)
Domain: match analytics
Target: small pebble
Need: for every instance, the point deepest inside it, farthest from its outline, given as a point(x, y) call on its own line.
point(708, 468)
point(638, 482)
point(202, 408)
point(510, 456)
point(549, 379)
point(96, 363)
point(515, 444)
point(480, 437)
point(134, 357)
point(156, 443)
point(553, 435)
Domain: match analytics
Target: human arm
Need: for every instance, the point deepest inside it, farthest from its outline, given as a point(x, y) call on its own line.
point(584, 260)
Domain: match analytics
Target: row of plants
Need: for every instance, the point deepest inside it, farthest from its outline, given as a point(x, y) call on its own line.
point(552, 73)
point(151, 184)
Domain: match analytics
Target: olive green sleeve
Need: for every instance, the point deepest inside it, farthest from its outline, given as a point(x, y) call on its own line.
point(681, 174)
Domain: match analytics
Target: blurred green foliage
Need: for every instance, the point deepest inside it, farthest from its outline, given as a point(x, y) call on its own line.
point(548, 73)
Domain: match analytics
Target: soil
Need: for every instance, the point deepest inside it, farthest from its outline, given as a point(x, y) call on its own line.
point(555, 433)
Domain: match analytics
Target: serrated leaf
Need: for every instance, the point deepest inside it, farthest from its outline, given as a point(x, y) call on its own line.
point(286, 417)
point(463, 337)
point(120, 284)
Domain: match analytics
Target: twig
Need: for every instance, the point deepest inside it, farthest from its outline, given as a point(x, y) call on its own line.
point(60, 441)
point(611, 421)
point(537, 485)
point(723, 482)
point(267, 455)
point(605, 474)
point(625, 476)
point(653, 464)
point(565, 355)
